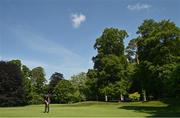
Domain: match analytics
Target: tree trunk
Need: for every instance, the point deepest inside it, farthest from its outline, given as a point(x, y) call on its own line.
point(97, 99)
point(122, 97)
point(137, 58)
point(143, 90)
point(144, 95)
point(106, 98)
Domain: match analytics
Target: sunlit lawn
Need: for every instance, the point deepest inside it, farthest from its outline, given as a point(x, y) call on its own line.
point(94, 109)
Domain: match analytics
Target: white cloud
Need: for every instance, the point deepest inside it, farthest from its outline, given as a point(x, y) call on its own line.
point(138, 6)
point(77, 19)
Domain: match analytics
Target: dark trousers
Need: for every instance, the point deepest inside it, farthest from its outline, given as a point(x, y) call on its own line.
point(46, 108)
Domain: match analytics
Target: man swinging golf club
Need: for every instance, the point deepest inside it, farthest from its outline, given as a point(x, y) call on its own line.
point(46, 102)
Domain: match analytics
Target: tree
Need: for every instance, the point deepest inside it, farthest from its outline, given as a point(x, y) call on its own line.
point(79, 83)
point(121, 88)
point(38, 79)
point(11, 85)
point(158, 46)
point(107, 91)
point(173, 82)
point(54, 80)
point(133, 57)
point(111, 42)
point(63, 92)
point(110, 61)
point(26, 73)
point(91, 85)
point(16, 62)
point(38, 85)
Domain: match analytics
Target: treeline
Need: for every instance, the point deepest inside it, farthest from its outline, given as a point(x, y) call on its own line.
point(20, 85)
point(148, 68)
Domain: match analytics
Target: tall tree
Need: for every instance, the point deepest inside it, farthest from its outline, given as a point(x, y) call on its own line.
point(110, 61)
point(158, 46)
point(38, 79)
point(26, 73)
point(121, 88)
point(54, 80)
point(11, 85)
point(79, 83)
point(64, 92)
point(133, 57)
point(111, 42)
point(91, 85)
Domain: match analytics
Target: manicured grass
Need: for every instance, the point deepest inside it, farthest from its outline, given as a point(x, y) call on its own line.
point(95, 109)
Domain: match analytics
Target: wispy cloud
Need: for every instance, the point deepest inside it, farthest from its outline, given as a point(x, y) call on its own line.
point(49, 68)
point(43, 45)
point(77, 19)
point(61, 59)
point(138, 6)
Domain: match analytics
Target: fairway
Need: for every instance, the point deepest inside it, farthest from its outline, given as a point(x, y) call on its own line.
point(94, 109)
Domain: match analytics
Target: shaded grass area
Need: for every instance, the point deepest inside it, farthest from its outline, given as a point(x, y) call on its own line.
point(161, 108)
point(155, 111)
point(97, 109)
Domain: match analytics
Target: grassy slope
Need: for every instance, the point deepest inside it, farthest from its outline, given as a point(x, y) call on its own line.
point(92, 109)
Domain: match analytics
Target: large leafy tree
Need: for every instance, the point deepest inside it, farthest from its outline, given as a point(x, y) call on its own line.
point(11, 84)
point(107, 90)
point(158, 46)
point(16, 62)
point(111, 42)
point(91, 85)
point(38, 80)
point(26, 73)
point(54, 80)
point(79, 83)
point(157, 40)
point(110, 61)
point(121, 88)
point(64, 91)
point(133, 59)
point(173, 82)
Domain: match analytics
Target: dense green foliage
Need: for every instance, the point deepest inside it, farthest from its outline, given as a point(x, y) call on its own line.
point(54, 80)
point(64, 92)
point(110, 62)
point(79, 84)
point(28, 88)
point(149, 66)
point(158, 46)
point(11, 84)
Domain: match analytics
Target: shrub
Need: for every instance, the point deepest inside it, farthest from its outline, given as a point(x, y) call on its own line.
point(134, 96)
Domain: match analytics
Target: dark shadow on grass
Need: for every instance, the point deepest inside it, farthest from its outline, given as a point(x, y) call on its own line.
point(171, 110)
point(155, 111)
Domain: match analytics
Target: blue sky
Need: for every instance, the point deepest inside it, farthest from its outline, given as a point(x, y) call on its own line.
point(59, 34)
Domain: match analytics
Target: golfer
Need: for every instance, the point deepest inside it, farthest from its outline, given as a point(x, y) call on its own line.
point(46, 102)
